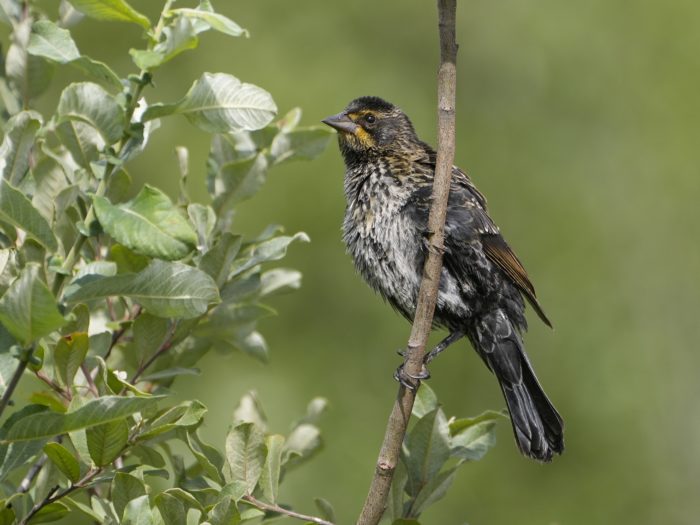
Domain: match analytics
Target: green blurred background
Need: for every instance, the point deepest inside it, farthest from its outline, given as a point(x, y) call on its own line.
point(581, 123)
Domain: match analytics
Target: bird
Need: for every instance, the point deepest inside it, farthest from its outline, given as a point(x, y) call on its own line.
point(483, 286)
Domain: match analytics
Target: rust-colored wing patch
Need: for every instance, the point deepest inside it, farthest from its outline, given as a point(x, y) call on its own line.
point(498, 251)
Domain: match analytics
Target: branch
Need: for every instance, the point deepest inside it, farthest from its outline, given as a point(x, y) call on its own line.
point(54, 494)
point(164, 347)
point(281, 510)
point(7, 395)
point(375, 504)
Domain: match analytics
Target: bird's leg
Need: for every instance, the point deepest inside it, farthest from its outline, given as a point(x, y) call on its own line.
point(442, 345)
point(409, 380)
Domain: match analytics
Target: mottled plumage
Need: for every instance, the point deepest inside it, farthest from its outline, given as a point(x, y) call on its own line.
point(388, 183)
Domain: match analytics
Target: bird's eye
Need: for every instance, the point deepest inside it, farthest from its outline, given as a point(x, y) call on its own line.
point(370, 119)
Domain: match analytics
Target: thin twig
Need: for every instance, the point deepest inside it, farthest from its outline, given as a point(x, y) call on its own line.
point(375, 504)
point(281, 510)
point(65, 394)
point(90, 380)
point(119, 333)
point(7, 395)
point(26, 482)
point(164, 347)
point(54, 494)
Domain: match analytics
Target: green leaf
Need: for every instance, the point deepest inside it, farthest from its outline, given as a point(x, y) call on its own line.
point(148, 456)
point(472, 438)
point(325, 509)
point(205, 13)
point(270, 250)
point(163, 289)
point(17, 144)
point(279, 280)
point(186, 414)
point(56, 44)
point(149, 224)
point(426, 401)
point(169, 373)
point(90, 103)
point(302, 443)
point(426, 450)
point(105, 442)
point(250, 410)
point(28, 309)
point(29, 75)
point(404, 521)
point(15, 455)
point(204, 220)
point(51, 512)
point(433, 491)
point(314, 410)
point(270, 477)
point(49, 180)
point(239, 180)
point(219, 103)
point(64, 460)
point(127, 261)
point(186, 498)
point(217, 261)
point(208, 457)
point(179, 36)
point(48, 399)
point(50, 41)
point(225, 512)
point(84, 509)
point(94, 412)
point(138, 512)
point(150, 333)
point(17, 210)
point(125, 488)
point(117, 10)
point(171, 509)
point(69, 354)
point(300, 144)
point(83, 142)
point(7, 516)
point(252, 344)
point(245, 452)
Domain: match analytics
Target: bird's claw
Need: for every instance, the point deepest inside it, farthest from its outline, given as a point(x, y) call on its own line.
point(410, 381)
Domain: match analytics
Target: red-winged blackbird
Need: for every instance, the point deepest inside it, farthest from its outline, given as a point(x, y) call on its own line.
point(388, 184)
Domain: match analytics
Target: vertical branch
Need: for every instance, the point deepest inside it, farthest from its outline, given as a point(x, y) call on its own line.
point(13, 383)
point(375, 503)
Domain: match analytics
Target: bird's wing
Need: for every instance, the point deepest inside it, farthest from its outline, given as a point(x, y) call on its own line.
point(498, 252)
point(466, 206)
point(469, 218)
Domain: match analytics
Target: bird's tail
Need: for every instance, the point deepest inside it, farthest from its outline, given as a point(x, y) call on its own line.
point(538, 427)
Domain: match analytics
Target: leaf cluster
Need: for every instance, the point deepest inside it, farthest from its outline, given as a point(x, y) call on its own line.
point(432, 452)
point(106, 300)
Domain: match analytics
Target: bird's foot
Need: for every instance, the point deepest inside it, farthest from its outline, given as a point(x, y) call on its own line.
point(410, 381)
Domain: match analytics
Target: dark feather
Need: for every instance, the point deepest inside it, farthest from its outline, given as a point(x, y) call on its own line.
point(498, 251)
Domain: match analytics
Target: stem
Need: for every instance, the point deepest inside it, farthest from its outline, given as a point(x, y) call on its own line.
point(65, 394)
point(164, 347)
point(281, 510)
point(375, 504)
point(7, 395)
point(54, 494)
point(26, 482)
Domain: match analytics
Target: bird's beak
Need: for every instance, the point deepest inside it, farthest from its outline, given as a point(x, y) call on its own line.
point(341, 122)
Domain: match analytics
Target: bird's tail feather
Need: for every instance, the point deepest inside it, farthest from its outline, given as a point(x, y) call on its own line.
point(538, 427)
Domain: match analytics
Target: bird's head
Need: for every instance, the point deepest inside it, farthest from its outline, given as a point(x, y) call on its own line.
point(371, 125)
